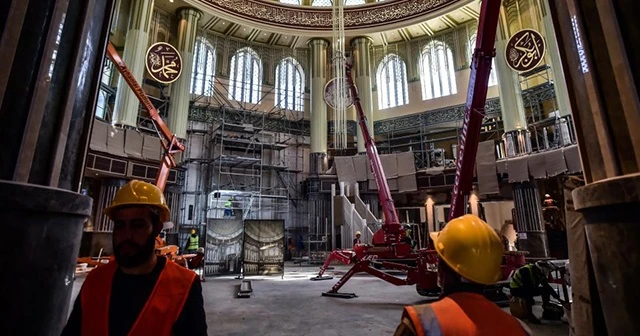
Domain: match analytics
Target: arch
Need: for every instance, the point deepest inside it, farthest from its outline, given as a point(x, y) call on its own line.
point(437, 72)
point(291, 2)
point(493, 76)
point(204, 68)
point(245, 80)
point(391, 81)
point(289, 85)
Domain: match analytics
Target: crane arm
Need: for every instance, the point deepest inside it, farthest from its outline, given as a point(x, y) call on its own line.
point(391, 222)
point(474, 107)
point(170, 143)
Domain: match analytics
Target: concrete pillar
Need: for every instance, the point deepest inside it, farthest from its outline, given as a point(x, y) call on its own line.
point(362, 65)
point(318, 106)
point(125, 110)
point(516, 138)
point(179, 107)
point(553, 52)
point(529, 223)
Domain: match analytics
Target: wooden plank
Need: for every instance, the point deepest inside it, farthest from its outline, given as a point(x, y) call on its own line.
point(587, 318)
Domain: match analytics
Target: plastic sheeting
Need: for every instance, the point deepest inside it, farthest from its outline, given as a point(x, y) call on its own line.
point(151, 149)
point(486, 168)
point(345, 169)
point(518, 169)
point(537, 165)
point(133, 143)
point(99, 136)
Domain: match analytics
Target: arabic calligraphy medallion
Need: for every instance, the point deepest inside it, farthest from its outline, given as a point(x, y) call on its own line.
point(525, 50)
point(163, 62)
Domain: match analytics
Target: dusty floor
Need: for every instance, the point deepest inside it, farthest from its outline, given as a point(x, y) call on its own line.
point(293, 305)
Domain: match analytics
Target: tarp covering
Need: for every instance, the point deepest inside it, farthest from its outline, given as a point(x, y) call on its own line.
point(263, 247)
point(537, 165)
point(345, 169)
point(555, 162)
point(151, 149)
point(518, 169)
point(99, 136)
point(133, 143)
point(572, 158)
point(115, 142)
point(486, 168)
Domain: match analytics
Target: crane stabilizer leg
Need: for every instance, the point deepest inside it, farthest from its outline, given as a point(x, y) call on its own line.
point(474, 107)
point(344, 256)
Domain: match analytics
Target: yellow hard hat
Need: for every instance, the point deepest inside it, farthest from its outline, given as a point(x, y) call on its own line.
point(471, 248)
point(358, 233)
point(140, 193)
point(193, 231)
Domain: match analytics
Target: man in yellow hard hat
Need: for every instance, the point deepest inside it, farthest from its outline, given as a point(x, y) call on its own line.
point(193, 242)
point(356, 240)
point(138, 293)
point(469, 258)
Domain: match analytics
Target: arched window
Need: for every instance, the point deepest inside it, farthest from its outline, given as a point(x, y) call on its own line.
point(289, 85)
point(245, 81)
point(436, 71)
point(354, 2)
point(493, 77)
point(204, 66)
point(392, 82)
point(291, 2)
point(321, 3)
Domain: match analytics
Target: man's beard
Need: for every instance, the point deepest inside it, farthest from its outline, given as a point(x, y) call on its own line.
point(142, 255)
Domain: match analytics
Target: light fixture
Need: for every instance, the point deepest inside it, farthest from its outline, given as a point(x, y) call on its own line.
point(171, 1)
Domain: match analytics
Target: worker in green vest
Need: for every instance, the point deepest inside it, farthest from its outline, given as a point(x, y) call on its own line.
point(531, 280)
point(227, 208)
point(193, 242)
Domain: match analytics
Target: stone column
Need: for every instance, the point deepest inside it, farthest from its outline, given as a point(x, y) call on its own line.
point(362, 66)
point(529, 223)
point(318, 106)
point(516, 138)
point(179, 107)
point(125, 110)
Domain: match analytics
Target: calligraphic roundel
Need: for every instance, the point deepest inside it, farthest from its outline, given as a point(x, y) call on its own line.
point(525, 50)
point(163, 62)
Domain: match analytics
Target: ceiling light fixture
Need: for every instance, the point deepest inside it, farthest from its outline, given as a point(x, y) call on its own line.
point(171, 1)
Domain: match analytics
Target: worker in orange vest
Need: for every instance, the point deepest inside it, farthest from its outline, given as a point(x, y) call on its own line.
point(139, 293)
point(469, 257)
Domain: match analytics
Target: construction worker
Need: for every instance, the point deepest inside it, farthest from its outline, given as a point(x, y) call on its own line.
point(356, 240)
point(138, 293)
point(469, 257)
point(227, 208)
point(193, 242)
point(531, 280)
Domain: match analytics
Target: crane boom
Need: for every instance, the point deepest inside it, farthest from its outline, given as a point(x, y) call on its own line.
point(169, 141)
point(474, 107)
point(391, 222)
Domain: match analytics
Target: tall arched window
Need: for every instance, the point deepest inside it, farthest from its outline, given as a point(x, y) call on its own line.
point(493, 77)
point(291, 2)
point(204, 66)
point(391, 81)
point(436, 71)
point(245, 81)
point(289, 85)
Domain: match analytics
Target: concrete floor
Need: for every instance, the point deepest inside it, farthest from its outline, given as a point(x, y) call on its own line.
point(293, 305)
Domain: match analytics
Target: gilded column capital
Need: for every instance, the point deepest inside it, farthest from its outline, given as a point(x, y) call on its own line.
point(185, 12)
point(358, 40)
point(317, 41)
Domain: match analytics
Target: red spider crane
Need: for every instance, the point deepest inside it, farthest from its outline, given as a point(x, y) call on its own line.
point(388, 242)
point(170, 143)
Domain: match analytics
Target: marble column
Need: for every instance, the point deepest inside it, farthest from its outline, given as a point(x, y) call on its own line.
point(125, 111)
point(529, 221)
point(516, 138)
point(179, 107)
point(362, 66)
point(319, 63)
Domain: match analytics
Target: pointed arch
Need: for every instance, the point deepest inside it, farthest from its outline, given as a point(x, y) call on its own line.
point(289, 85)
point(204, 67)
point(245, 80)
point(437, 72)
point(391, 81)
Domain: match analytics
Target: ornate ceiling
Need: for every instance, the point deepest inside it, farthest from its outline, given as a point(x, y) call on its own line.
point(286, 25)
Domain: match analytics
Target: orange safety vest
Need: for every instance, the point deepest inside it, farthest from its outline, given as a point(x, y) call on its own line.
point(463, 314)
point(158, 315)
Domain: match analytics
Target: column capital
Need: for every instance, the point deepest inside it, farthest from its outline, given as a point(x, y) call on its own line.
point(361, 40)
point(317, 41)
point(184, 12)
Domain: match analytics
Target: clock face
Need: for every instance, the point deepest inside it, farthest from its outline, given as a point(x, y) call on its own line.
point(331, 96)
